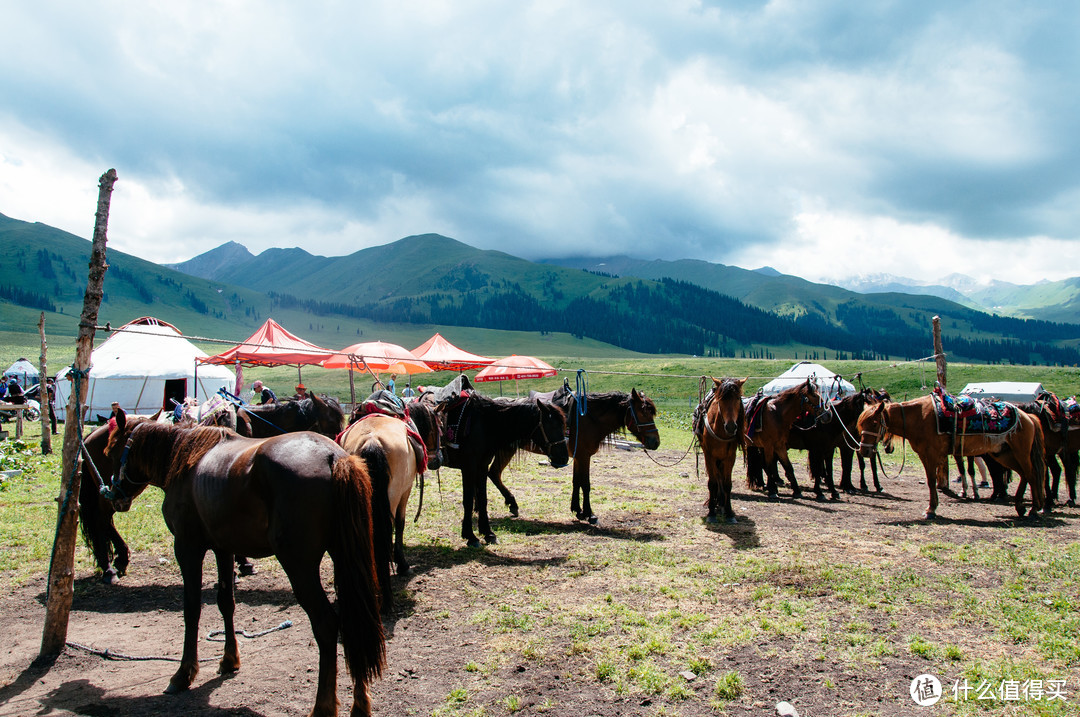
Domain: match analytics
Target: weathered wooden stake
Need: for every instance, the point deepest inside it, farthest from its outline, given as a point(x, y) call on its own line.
point(61, 584)
point(939, 352)
point(43, 391)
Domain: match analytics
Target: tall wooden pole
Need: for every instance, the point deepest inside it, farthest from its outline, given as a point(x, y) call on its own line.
point(61, 586)
point(43, 391)
point(939, 352)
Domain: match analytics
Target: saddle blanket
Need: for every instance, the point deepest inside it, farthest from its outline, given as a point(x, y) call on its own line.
point(965, 415)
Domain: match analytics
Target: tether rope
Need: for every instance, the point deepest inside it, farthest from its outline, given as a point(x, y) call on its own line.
point(109, 654)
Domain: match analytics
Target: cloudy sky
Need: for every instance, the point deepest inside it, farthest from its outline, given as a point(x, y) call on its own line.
point(822, 138)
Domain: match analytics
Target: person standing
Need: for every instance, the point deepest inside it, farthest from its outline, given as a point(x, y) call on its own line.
point(264, 393)
point(390, 384)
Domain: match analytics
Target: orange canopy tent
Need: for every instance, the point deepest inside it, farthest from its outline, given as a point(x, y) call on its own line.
point(375, 357)
point(441, 355)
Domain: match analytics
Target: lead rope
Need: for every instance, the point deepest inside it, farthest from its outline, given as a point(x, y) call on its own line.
point(693, 440)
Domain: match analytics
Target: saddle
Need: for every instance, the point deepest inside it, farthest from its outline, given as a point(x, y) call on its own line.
point(1072, 410)
point(967, 416)
point(386, 403)
point(753, 407)
point(697, 424)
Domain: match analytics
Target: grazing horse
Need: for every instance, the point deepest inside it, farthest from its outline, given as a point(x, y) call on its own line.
point(769, 420)
point(296, 496)
point(720, 428)
point(321, 414)
point(916, 421)
point(397, 451)
point(477, 428)
point(605, 413)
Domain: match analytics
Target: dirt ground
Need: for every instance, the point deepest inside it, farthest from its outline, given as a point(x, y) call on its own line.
point(437, 643)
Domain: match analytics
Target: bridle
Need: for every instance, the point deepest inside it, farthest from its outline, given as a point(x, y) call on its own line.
point(546, 443)
point(631, 421)
point(115, 492)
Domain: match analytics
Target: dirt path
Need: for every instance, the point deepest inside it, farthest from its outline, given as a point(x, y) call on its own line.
point(562, 618)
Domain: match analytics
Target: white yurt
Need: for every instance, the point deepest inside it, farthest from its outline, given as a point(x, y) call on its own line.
point(1013, 391)
point(828, 383)
point(141, 366)
point(22, 371)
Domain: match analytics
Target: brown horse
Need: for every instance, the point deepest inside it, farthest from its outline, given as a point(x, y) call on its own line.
point(396, 455)
point(916, 421)
point(605, 414)
point(296, 496)
point(769, 428)
point(720, 427)
point(321, 414)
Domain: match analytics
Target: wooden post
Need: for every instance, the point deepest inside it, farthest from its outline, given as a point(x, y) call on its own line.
point(43, 391)
point(939, 353)
point(61, 585)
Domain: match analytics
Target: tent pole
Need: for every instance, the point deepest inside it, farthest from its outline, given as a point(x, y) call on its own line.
point(352, 384)
point(196, 379)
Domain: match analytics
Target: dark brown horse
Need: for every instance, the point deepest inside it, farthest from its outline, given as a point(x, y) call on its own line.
point(605, 414)
point(768, 424)
point(321, 414)
point(1059, 440)
point(916, 421)
point(478, 427)
point(720, 428)
point(297, 496)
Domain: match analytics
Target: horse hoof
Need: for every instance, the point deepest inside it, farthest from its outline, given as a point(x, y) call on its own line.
point(175, 689)
point(593, 520)
point(711, 519)
point(109, 577)
point(773, 495)
point(929, 515)
point(473, 542)
point(835, 497)
point(247, 569)
point(491, 539)
point(732, 520)
point(514, 511)
point(403, 568)
point(879, 489)
point(1071, 503)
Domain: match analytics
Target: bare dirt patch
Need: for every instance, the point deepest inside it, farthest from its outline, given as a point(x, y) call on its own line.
point(833, 607)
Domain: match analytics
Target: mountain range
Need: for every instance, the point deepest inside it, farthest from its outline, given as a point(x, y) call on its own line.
point(678, 307)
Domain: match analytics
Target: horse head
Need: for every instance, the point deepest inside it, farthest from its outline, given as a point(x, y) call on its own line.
point(329, 416)
point(729, 413)
point(873, 425)
point(550, 433)
point(641, 419)
point(123, 489)
point(428, 422)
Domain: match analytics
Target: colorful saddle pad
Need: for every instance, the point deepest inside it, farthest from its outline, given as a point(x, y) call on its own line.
point(965, 415)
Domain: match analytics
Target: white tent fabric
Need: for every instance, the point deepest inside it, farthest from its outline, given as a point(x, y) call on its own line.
point(828, 384)
point(22, 371)
point(140, 367)
point(1014, 391)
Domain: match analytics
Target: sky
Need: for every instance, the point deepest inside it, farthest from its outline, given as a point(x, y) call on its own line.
point(822, 138)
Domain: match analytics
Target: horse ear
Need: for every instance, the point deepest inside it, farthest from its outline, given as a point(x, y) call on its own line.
point(743, 382)
point(121, 420)
point(634, 394)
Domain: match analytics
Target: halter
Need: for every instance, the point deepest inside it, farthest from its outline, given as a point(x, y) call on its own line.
point(634, 419)
point(547, 442)
point(115, 492)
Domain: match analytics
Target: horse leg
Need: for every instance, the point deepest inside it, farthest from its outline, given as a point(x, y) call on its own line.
point(1055, 470)
point(307, 586)
point(498, 465)
point(755, 466)
point(482, 523)
point(772, 485)
point(789, 471)
point(726, 468)
point(190, 559)
point(847, 461)
point(873, 472)
point(933, 471)
point(712, 472)
point(120, 550)
point(226, 602)
point(468, 500)
point(816, 466)
point(582, 479)
point(245, 566)
point(1070, 461)
point(399, 541)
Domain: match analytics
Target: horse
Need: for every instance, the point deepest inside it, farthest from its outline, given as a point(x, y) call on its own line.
point(478, 427)
point(1059, 439)
point(916, 421)
point(769, 421)
point(605, 413)
point(720, 428)
point(396, 451)
point(321, 414)
point(296, 496)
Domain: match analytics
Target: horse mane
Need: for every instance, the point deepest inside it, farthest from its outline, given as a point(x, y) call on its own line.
point(172, 451)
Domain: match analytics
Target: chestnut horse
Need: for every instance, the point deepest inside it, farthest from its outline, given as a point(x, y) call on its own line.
point(720, 428)
point(916, 421)
point(297, 496)
point(396, 454)
point(605, 413)
point(769, 428)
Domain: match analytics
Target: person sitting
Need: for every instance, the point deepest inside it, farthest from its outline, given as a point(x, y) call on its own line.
point(264, 393)
point(301, 392)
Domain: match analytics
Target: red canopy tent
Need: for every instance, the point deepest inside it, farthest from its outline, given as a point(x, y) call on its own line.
point(272, 345)
point(375, 357)
point(441, 355)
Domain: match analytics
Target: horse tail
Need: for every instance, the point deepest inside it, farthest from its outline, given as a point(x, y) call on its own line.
point(357, 586)
point(378, 466)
